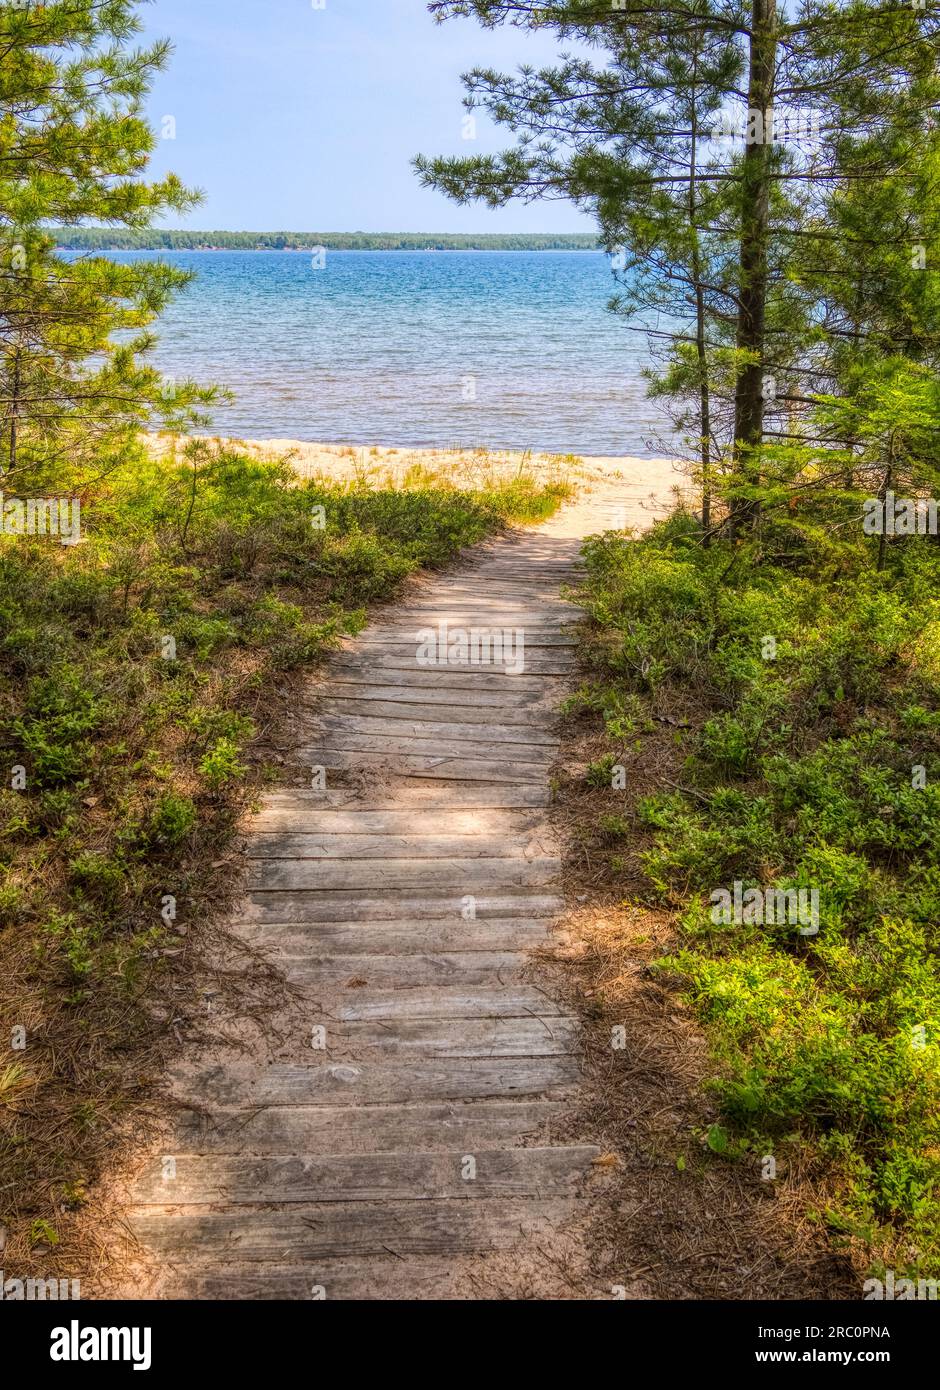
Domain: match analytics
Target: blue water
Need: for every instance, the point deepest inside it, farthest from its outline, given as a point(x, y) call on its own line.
point(508, 349)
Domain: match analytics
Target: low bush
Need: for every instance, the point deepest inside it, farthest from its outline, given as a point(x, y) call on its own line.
point(811, 761)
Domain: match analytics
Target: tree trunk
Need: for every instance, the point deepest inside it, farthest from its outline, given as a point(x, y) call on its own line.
point(883, 497)
point(704, 407)
point(705, 427)
point(14, 410)
point(755, 218)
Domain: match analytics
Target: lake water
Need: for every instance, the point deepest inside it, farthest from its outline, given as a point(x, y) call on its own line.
point(510, 349)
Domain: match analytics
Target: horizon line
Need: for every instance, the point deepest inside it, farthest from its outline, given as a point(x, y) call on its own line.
point(283, 231)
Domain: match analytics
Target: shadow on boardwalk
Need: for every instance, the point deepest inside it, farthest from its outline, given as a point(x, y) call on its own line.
point(414, 1121)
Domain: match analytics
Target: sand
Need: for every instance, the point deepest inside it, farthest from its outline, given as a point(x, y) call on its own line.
point(643, 478)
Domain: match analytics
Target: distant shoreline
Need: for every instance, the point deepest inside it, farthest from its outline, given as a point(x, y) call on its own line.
point(111, 239)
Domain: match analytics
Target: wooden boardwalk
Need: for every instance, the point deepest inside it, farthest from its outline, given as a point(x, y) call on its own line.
point(390, 1152)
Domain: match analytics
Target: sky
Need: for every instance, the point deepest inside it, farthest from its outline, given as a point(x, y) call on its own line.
point(304, 115)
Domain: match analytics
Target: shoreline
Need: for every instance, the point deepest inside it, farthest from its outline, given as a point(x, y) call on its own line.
point(349, 250)
point(642, 476)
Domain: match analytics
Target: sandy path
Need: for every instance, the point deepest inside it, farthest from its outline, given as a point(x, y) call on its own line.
point(393, 1143)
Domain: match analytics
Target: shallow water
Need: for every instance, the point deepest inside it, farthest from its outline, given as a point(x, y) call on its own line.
point(510, 349)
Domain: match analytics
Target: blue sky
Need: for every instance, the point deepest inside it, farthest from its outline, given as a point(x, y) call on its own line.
point(302, 118)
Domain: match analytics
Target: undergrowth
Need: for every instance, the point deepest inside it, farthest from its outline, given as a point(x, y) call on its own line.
point(136, 674)
point(809, 688)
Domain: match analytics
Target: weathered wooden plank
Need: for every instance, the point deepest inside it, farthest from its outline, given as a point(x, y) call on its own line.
point(447, 1125)
point(436, 746)
point(349, 671)
point(311, 1232)
point(420, 799)
point(494, 612)
point(405, 971)
point(388, 1082)
point(521, 713)
point(305, 817)
point(449, 1037)
point(451, 595)
point(328, 875)
point(396, 905)
point(270, 844)
point(401, 731)
point(532, 638)
point(560, 663)
point(386, 667)
point(199, 1179)
point(508, 594)
point(476, 704)
point(365, 1279)
point(456, 769)
point(400, 938)
point(416, 796)
point(444, 1001)
point(523, 574)
point(475, 609)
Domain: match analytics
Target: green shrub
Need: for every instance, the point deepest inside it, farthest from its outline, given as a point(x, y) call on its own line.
point(814, 762)
point(174, 817)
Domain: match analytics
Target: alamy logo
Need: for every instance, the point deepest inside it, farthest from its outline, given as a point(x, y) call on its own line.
point(891, 1289)
point(77, 1343)
point(474, 646)
point(38, 1290)
point(770, 127)
point(766, 906)
point(42, 516)
point(899, 516)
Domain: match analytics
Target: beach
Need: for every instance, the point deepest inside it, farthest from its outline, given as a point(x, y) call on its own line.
point(652, 483)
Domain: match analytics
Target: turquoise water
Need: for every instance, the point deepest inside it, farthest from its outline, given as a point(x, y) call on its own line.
point(508, 349)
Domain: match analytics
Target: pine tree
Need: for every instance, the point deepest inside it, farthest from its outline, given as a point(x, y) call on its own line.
point(736, 225)
point(73, 147)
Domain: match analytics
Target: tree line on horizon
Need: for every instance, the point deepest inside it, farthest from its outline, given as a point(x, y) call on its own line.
point(155, 239)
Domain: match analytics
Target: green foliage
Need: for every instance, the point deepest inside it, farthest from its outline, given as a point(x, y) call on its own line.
point(813, 762)
point(74, 144)
point(75, 939)
point(221, 764)
point(43, 1233)
point(599, 773)
point(174, 817)
point(623, 713)
point(786, 275)
point(132, 661)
